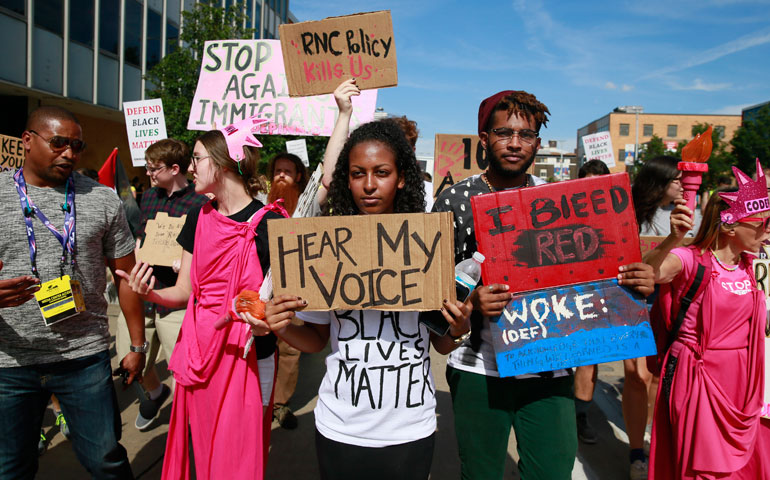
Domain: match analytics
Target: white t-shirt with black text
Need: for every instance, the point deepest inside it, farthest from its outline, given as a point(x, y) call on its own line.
point(378, 389)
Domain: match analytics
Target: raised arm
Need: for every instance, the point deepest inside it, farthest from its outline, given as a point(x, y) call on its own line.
point(664, 264)
point(343, 96)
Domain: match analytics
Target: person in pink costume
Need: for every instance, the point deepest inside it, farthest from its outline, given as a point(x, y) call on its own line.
point(222, 391)
point(707, 411)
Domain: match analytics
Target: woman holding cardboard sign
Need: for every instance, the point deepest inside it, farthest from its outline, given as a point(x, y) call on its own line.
point(713, 317)
point(223, 390)
point(375, 416)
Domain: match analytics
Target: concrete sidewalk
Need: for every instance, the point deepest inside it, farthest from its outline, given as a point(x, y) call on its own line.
point(292, 452)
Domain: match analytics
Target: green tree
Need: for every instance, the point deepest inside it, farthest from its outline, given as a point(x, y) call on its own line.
point(721, 159)
point(752, 140)
point(175, 77)
point(653, 148)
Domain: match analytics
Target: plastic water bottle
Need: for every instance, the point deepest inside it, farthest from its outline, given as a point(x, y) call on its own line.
point(467, 275)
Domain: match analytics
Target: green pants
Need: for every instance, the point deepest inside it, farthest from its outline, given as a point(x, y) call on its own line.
point(541, 411)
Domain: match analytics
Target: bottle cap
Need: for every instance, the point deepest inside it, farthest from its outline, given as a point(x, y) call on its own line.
point(479, 257)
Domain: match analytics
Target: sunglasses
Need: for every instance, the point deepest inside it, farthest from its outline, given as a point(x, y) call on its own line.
point(764, 220)
point(59, 143)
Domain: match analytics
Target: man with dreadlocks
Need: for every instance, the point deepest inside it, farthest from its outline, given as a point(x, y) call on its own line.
point(538, 406)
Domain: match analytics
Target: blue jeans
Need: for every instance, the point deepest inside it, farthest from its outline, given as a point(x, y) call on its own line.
point(88, 401)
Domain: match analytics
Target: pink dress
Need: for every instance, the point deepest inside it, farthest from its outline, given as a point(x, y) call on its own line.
point(709, 426)
point(217, 390)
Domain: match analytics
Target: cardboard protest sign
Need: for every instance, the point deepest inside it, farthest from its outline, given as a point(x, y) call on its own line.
point(11, 153)
point(160, 246)
point(550, 235)
point(646, 244)
point(318, 55)
point(598, 146)
point(145, 125)
point(382, 262)
point(242, 78)
point(570, 326)
point(762, 274)
point(456, 157)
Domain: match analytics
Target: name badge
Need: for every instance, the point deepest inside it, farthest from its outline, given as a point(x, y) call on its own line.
point(60, 299)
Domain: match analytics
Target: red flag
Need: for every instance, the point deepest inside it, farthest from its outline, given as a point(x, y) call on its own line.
point(107, 172)
point(113, 175)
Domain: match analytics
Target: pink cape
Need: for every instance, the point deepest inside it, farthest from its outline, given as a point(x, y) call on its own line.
point(217, 391)
point(709, 427)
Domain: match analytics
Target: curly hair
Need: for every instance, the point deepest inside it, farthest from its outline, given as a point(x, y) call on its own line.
point(410, 129)
point(410, 199)
point(523, 104)
point(650, 186)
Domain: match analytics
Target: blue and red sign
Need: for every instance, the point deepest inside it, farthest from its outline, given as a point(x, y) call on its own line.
point(563, 243)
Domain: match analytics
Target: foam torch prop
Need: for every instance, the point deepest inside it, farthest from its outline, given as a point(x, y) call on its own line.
point(254, 302)
point(693, 165)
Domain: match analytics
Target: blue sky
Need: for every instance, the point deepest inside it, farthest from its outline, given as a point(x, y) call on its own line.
point(581, 59)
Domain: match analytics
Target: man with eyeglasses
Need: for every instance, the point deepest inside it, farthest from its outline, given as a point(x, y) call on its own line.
point(58, 230)
point(172, 193)
point(538, 406)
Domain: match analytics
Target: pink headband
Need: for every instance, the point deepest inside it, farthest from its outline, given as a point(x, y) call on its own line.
point(750, 198)
point(241, 134)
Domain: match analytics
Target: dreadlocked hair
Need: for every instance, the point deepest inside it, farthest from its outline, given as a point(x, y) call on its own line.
point(522, 104)
point(410, 199)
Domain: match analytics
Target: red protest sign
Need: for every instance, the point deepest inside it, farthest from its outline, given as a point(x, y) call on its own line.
point(557, 234)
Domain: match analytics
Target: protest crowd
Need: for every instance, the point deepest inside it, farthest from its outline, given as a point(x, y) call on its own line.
point(232, 317)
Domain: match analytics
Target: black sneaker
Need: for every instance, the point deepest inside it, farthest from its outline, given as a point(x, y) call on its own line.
point(585, 431)
point(285, 417)
point(42, 444)
point(149, 409)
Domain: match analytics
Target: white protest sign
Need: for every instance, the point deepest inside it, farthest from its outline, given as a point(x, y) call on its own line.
point(598, 146)
point(145, 125)
point(298, 148)
point(243, 78)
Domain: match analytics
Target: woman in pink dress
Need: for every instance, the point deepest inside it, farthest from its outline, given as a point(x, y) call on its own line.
point(707, 412)
point(222, 393)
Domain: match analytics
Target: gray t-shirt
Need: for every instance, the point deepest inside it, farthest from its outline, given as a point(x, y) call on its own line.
point(102, 232)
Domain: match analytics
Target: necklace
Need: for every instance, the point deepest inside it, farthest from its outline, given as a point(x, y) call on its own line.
point(493, 190)
point(725, 267)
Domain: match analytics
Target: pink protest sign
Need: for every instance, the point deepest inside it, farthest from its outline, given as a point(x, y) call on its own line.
point(243, 78)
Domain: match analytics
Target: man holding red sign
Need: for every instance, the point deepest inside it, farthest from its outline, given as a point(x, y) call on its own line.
point(539, 406)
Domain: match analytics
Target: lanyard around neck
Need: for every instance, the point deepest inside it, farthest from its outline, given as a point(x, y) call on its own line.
point(67, 239)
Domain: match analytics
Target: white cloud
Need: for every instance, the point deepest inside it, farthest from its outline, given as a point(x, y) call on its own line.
point(707, 56)
point(732, 109)
point(627, 88)
point(700, 85)
point(610, 86)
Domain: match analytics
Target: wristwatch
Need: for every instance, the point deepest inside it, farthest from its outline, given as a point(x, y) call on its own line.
point(140, 349)
point(461, 338)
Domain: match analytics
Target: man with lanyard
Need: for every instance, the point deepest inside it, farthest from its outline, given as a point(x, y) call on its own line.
point(59, 228)
point(171, 192)
point(539, 406)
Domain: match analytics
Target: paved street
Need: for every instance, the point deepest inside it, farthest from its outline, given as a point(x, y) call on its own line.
point(292, 454)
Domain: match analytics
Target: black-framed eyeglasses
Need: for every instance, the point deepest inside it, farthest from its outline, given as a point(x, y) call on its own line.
point(59, 143)
point(152, 170)
point(195, 160)
point(505, 134)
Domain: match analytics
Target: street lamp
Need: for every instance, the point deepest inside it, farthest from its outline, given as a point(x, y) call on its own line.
point(636, 109)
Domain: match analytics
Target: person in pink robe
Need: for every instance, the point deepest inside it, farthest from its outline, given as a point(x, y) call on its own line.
point(706, 422)
point(222, 392)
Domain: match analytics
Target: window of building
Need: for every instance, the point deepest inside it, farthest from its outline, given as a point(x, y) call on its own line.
point(109, 26)
point(671, 131)
point(82, 22)
point(624, 127)
point(720, 129)
point(172, 37)
point(154, 34)
point(49, 14)
point(16, 6)
point(133, 33)
point(647, 131)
